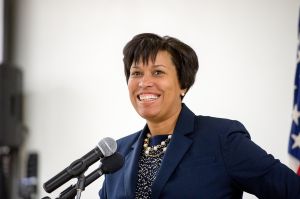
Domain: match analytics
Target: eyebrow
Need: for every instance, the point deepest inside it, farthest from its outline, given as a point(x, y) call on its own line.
point(158, 65)
point(135, 66)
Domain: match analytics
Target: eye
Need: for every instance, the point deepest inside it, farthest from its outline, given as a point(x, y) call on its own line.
point(135, 73)
point(158, 72)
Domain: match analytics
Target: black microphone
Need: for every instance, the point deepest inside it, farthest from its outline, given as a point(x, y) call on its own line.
point(106, 147)
point(108, 165)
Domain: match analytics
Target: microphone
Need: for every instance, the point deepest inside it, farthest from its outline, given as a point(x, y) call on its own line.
point(106, 147)
point(108, 165)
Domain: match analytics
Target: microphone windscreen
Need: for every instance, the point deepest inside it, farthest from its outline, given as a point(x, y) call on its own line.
point(107, 146)
point(112, 163)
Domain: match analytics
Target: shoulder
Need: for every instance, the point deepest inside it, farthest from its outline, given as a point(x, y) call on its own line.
point(125, 143)
point(217, 121)
point(210, 127)
point(219, 126)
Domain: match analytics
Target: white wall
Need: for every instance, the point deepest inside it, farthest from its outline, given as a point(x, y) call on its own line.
point(75, 90)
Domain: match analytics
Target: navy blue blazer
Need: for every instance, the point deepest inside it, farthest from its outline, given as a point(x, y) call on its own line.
point(209, 158)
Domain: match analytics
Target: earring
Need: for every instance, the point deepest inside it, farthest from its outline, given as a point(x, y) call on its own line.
point(182, 94)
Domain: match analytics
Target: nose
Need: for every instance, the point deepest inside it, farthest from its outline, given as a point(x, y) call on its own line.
point(146, 81)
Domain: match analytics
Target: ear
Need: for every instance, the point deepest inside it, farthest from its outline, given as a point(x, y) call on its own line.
point(183, 92)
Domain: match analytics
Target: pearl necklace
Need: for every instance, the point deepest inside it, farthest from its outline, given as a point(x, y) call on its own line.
point(157, 150)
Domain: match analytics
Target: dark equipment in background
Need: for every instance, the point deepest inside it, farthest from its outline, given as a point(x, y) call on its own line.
point(11, 80)
point(12, 131)
point(11, 114)
point(28, 185)
point(3, 185)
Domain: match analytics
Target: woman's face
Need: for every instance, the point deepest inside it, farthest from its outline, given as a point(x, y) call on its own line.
point(154, 88)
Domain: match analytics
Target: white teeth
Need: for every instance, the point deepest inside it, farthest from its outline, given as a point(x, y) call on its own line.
point(147, 97)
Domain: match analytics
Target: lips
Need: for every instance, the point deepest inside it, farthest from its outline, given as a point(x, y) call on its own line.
point(147, 97)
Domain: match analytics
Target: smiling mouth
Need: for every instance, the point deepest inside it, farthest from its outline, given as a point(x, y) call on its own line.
point(147, 97)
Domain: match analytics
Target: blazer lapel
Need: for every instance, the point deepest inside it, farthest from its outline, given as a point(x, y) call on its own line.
point(131, 165)
point(176, 150)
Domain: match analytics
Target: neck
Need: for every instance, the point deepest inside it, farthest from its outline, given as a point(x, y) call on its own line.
point(163, 127)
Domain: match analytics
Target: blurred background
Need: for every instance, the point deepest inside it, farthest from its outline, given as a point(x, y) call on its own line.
point(63, 89)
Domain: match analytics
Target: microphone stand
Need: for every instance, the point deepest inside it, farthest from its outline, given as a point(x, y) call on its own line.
point(72, 190)
point(113, 163)
point(80, 185)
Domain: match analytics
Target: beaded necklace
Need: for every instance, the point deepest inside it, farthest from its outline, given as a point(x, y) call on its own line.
point(156, 150)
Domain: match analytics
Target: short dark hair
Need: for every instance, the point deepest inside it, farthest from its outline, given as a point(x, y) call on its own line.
point(145, 46)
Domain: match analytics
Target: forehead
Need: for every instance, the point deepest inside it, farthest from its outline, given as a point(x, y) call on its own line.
point(161, 58)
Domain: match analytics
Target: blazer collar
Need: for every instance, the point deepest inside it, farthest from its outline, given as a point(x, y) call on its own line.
point(131, 164)
point(177, 148)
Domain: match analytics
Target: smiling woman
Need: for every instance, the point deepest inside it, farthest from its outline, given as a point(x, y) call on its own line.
point(179, 154)
point(159, 73)
point(155, 92)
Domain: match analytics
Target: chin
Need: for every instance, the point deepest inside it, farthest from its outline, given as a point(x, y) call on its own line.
point(147, 115)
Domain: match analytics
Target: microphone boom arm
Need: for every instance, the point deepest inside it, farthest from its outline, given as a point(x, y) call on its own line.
point(70, 192)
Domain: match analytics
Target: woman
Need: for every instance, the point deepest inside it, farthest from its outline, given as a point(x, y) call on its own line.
point(179, 154)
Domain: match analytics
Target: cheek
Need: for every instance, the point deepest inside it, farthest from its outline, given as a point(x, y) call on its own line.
point(130, 85)
point(175, 87)
point(131, 88)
